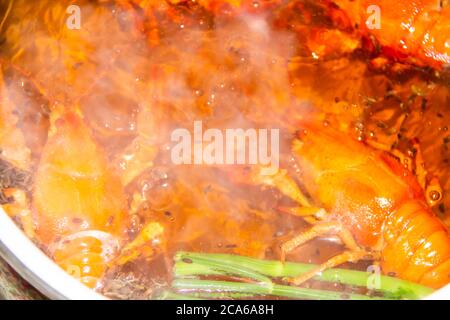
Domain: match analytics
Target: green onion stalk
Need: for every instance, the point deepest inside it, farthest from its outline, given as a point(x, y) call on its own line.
point(211, 287)
point(189, 266)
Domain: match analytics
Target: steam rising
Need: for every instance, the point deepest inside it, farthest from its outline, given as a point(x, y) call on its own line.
point(133, 91)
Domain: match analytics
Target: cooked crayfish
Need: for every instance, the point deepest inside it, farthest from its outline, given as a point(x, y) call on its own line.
point(415, 32)
point(78, 202)
point(373, 204)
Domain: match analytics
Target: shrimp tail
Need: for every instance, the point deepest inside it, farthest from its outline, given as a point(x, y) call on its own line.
point(416, 245)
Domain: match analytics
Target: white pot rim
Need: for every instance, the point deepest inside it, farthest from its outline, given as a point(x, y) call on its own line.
point(41, 272)
point(36, 268)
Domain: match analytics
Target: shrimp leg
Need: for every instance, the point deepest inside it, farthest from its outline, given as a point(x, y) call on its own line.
point(353, 254)
point(284, 184)
point(280, 181)
point(346, 256)
point(317, 230)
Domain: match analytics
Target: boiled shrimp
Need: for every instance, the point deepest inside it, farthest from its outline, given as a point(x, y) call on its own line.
point(373, 204)
point(79, 205)
point(416, 32)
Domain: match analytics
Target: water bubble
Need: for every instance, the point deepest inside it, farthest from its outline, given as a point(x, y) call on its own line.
point(435, 195)
point(278, 234)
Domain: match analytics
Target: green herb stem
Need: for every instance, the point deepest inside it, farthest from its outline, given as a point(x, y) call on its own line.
point(210, 286)
point(197, 264)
